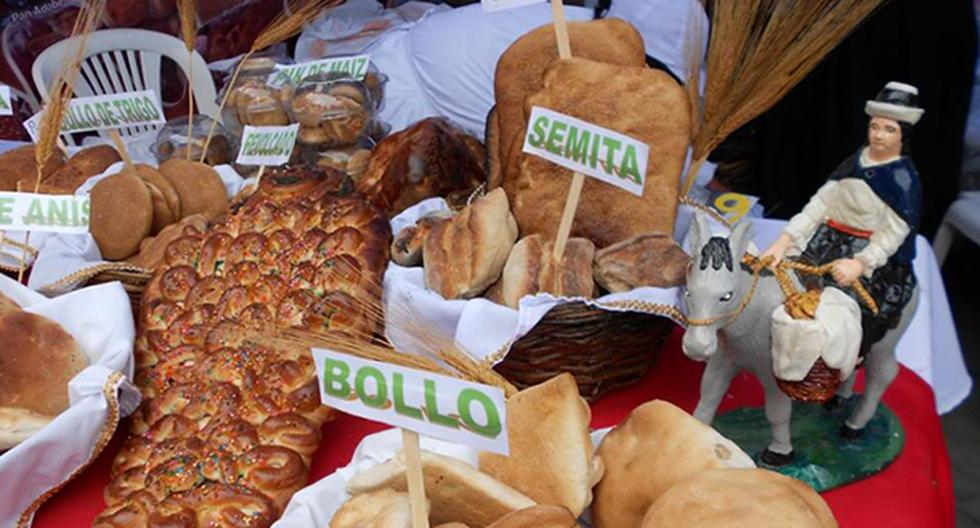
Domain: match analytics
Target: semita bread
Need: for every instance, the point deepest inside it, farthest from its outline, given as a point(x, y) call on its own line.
point(551, 456)
point(382, 508)
point(457, 491)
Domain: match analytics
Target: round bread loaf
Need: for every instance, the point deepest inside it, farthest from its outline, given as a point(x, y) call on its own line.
point(199, 187)
point(166, 201)
point(734, 498)
point(657, 446)
point(384, 508)
point(94, 160)
point(18, 164)
point(122, 215)
point(540, 516)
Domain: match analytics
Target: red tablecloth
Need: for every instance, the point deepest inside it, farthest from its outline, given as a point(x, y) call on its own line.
point(916, 490)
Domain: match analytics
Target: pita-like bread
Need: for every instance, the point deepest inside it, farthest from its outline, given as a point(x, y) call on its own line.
point(383, 508)
point(650, 259)
point(457, 491)
point(642, 103)
point(739, 498)
point(531, 269)
point(656, 446)
point(550, 450)
point(522, 66)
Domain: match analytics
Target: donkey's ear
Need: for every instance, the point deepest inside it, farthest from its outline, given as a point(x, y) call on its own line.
point(700, 231)
point(740, 238)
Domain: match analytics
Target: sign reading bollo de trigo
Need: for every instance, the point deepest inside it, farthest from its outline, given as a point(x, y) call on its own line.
point(586, 148)
point(101, 112)
point(430, 404)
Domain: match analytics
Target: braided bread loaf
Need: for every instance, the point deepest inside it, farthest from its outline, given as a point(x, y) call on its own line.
point(227, 429)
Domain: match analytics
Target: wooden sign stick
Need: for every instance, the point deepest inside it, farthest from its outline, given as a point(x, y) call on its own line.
point(416, 480)
point(123, 153)
point(578, 179)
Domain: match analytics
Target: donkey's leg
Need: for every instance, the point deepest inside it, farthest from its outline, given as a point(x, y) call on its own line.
point(779, 410)
point(714, 384)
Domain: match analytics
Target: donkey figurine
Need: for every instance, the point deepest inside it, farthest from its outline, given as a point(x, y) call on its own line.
point(732, 332)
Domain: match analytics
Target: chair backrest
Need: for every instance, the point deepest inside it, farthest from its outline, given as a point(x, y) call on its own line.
point(124, 60)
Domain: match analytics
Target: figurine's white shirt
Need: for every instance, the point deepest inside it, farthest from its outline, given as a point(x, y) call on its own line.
point(852, 202)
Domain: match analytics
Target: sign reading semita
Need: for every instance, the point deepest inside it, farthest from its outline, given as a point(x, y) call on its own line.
point(604, 154)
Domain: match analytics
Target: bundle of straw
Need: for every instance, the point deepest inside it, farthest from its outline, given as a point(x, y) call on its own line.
point(188, 33)
point(61, 92)
point(288, 23)
point(759, 50)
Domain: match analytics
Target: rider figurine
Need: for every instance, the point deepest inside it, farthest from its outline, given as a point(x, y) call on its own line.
point(865, 218)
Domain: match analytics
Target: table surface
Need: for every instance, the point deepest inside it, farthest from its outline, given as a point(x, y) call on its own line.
point(914, 491)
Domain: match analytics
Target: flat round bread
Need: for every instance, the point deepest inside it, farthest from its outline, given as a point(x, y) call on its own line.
point(93, 161)
point(739, 498)
point(122, 215)
point(198, 185)
point(153, 176)
point(39, 359)
point(67, 177)
point(18, 164)
point(383, 508)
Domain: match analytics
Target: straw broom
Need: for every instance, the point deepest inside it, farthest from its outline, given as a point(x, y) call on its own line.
point(188, 32)
point(759, 50)
point(62, 89)
point(281, 28)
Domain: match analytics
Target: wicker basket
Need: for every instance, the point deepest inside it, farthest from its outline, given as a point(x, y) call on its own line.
point(134, 282)
point(603, 350)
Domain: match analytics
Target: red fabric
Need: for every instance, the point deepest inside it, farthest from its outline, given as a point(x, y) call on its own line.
point(916, 490)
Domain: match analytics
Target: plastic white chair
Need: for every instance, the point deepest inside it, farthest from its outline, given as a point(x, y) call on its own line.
point(124, 60)
point(963, 217)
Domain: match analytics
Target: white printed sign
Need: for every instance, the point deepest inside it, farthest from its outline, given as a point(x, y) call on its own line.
point(430, 404)
point(6, 103)
point(489, 6)
point(355, 65)
point(44, 212)
point(586, 148)
point(271, 145)
point(100, 112)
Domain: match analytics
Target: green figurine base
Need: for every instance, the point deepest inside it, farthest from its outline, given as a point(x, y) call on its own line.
point(821, 458)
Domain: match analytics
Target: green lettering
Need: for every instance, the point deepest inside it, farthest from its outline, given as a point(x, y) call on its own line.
point(335, 374)
point(464, 403)
point(86, 207)
point(538, 131)
point(576, 145)
point(612, 145)
point(3, 103)
point(58, 212)
point(6, 207)
point(631, 166)
point(398, 394)
point(360, 70)
point(432, 407)
point(555, 138)
point(35, 214)
point(250, 144)
point(380, 398)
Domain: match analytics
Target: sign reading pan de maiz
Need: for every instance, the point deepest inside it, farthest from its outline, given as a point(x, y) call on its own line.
point(430, 404)
point(355, 65)
point(43, 212)
point(604, 154)
point(101, 112)
point(6, 105)
point(269, 145)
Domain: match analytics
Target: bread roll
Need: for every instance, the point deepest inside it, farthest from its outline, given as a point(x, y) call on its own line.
point(531, 269)
point(542, 516)
point(650, 259)
point(18, 164)
point(465, 255)
point(38, 360)
point(406, 248)
point(383, 508)
point(550, 450)
point(457, 491)
point(522, 66)
point(656, 446)
point(199, 187)
point(153, 249)
point(122, 215)
point(739, 498)
point(642, 103)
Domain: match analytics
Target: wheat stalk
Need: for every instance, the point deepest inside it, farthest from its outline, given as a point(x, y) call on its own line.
point(61, 91)
point(281, 28)
point(759, 50)
point(188, 31)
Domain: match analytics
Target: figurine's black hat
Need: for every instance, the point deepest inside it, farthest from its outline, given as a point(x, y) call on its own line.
point(898, 101)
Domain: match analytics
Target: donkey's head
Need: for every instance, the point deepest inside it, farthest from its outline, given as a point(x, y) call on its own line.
point(715, 283)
